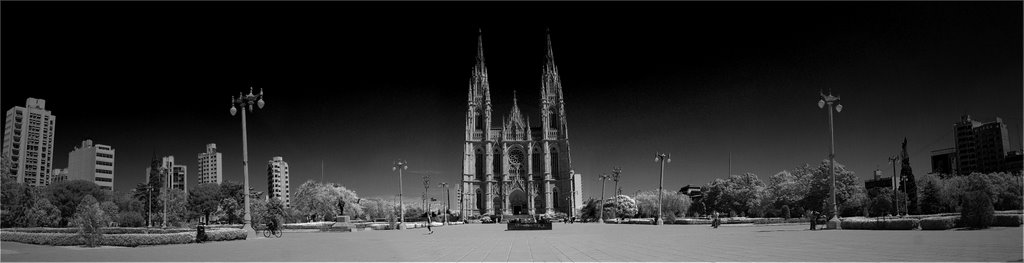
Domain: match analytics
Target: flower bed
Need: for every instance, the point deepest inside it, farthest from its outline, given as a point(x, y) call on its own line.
point(39, 237)
point(1012, 220)
point(939, 222)
point(880, 223)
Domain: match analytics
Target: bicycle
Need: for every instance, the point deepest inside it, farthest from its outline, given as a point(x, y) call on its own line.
point(276, 232)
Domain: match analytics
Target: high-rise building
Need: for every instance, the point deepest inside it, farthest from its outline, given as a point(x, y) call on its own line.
point(517, 168)
point(174, 173)
point(944, 161)
point(94, 163)
point(59, 175)
point(28, 142)
point(210, 166)
point(980, 147)
point(277, 180)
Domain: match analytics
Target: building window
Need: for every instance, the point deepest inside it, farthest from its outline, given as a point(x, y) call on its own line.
point(101, 179)
point(104, 171)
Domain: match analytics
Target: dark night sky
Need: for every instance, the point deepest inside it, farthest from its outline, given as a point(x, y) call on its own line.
point(359, 85)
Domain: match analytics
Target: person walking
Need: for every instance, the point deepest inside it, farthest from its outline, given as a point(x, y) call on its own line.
point(431, 230)
point(715, 221)
point(814, 220)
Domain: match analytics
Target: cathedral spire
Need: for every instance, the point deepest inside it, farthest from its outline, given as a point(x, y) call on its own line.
point(551, 83)
point(480, 47)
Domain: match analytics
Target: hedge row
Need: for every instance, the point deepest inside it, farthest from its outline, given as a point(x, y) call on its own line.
point(106, 230)
point(124, 240)
point(940, 222)
point(1007, 220)
point(225, 234)
point(879, 223)
point(50, 239)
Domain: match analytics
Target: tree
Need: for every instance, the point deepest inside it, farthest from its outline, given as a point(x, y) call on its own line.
point(204, 200)
point(674, 205)
point(622, 206)
point(353, 206)
point(881, 202)
point(177, 207)
point(379, 208)
point(785, 189)
point(149, 200)
point(820, 183)
point(90, 219)
point(1008, 191)
point(910, 188)
point(111, 210)
point(590, 209)
point(67, 195)
point(976, 209)
point(15, 200)
point(930, 194)
point(739, 193)
point(317, 199)
point(43, 214)
point(231, 211)
point(233, 190)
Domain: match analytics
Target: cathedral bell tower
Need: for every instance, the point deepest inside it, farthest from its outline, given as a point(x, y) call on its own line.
point(479, 146)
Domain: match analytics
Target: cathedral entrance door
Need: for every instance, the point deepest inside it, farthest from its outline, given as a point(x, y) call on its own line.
point(517, 200)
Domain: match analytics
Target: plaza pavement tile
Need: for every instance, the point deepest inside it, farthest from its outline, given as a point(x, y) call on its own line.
point(572, 243)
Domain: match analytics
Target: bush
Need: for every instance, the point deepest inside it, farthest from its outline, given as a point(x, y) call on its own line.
point(225, 234)
point(976, 210)
point(939, 223)
point(183, 236)
point(785, 211)
point(90, 219)
point(133, 240)
point(131, 219)
point(49, 239)
point(43, 213)
point(879, 223)
point(1007, 220)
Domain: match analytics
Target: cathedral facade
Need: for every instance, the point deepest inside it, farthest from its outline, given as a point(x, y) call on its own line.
point(511, 167)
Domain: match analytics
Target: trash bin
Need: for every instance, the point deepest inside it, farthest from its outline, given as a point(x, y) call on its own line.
point(200, 233)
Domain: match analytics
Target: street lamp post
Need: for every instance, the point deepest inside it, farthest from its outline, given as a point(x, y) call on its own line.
point(149, 201)
point(895, 197)
point(163, 190)
point(400, 165)
point(426, 187)
point(616, 174)
point(246, 102)
point(830, 100)
point(448, 196)
point(600, 210)
point(662, 158)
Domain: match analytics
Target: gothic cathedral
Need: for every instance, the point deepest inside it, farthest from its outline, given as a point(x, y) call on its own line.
point(516, 168)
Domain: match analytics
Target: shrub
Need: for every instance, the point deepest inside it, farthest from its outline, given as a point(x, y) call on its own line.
point(1007, 220)
point(976, 210)
point(939, 223)
point(133, 240)
point(879, 223)
point(49, 239)
point(131, 219)
point(182, 236)
point(90, 219)
point(224, 234)
point(785, 211)
point(43, 213)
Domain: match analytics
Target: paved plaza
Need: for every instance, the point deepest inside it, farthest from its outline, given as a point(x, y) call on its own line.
point(576, 242)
